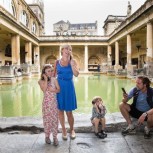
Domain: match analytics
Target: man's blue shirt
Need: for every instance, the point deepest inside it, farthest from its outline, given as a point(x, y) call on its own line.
point(141, 104)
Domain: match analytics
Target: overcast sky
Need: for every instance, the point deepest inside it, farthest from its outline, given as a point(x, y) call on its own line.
point(84, 11)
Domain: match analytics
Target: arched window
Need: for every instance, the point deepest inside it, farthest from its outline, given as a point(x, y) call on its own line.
point(24, 18)
point(94, 60)
point(34, 29)
point(9, 6)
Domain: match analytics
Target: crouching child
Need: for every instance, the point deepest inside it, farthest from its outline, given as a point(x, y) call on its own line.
point(98, 117)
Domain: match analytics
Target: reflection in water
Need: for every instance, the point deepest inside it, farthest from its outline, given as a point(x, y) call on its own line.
point(109, 88)
point(25, 99)
point(21, 99)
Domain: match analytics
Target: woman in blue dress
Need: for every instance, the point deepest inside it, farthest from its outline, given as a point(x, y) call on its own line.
point(65, 68)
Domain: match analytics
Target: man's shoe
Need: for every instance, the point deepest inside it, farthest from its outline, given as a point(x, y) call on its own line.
point(147, 134)
point(128, 131)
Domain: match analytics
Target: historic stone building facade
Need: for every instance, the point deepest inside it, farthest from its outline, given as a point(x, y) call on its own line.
point(20, 29)
point(66, 28)
point(112, 22)
point(128, 40)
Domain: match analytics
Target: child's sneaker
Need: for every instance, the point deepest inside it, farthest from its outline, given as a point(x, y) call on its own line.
point(99, 135)
point(103, 133)
point(129, 130)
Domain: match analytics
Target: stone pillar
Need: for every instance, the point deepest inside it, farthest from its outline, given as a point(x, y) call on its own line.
point(15, 45)
point(60, 47)
point(36, 55)
point(149, 43)
point(128, 65)
point(116, 66)
point(109, 55)
point(86, 58)
point(28, 51)
point(149, 58)
point(116, 53)
point(129, 50)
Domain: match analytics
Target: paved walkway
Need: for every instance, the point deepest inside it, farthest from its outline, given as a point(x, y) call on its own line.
point(84, 143)
point(14, 138)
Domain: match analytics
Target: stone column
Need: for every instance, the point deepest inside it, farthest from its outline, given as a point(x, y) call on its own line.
point(37, 59)
point(86, 58)
point(109, 55)
point(15, 45)
point(129, 50)
point(149, 43)
point(149, 58)
point(28, 51)
point(116, 66)
point(116, 53)
point(36, 55)
point(60, 52)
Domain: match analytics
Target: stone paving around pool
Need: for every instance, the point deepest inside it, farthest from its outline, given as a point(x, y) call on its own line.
point(25, 135)
point(114, 122)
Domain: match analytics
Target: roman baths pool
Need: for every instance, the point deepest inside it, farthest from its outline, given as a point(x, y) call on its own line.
point(25, 99)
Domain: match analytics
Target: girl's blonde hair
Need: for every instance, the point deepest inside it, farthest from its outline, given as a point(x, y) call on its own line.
point(46, 66)
point(96, 98)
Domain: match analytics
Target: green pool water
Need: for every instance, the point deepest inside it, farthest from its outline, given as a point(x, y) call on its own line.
point(25, 99)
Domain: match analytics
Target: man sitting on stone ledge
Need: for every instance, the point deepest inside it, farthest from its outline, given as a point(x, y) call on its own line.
point(141, 108)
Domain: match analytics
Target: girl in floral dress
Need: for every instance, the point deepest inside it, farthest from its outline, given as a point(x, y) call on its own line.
point(50, 87)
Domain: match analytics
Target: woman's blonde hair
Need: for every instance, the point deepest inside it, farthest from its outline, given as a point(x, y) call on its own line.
point(65, 47)
point(96, 98)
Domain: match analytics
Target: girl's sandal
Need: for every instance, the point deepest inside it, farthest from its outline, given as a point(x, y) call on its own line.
point(55, 142)
point(47, 140)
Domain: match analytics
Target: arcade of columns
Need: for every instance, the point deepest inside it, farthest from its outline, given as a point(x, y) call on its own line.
point(116, 49)
point(15, 45)
point(121, 44)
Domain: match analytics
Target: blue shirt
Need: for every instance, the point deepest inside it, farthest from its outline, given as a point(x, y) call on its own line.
point(141, 103)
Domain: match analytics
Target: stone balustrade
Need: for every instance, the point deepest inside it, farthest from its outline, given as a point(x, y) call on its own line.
point(75, 38)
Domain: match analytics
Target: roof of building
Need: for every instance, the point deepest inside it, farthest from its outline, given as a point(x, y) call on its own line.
point(61, 22)
point(114, 17)
point(84, 25)
point(78, 25)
